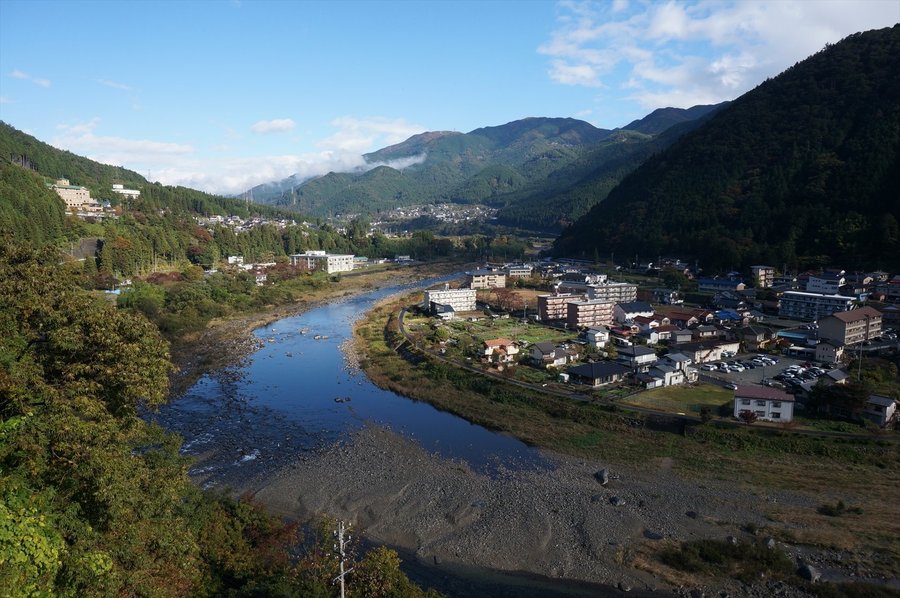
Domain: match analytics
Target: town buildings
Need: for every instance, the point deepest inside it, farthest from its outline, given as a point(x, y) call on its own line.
point(457, 299)
point(486, 279)
point(588, 313)
point(798, 305)
point(321, 260)
point(768, 404)
point(764, 276)
point(851, 327)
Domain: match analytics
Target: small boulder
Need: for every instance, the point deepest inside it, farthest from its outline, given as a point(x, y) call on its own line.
point(617, 502)
point(809, 573)
point(624, 587)
point(732, 540)
point(602, 477)
point(692, 514)
point(770, 543)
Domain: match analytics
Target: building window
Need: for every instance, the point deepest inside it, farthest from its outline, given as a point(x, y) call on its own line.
point(760, 403)
point(776, 404)
point(760, 413)
point(745, 402)
point(775, 415)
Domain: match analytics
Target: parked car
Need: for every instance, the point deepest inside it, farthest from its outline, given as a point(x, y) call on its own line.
point(731, 386)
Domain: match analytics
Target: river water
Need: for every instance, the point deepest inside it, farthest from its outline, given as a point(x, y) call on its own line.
point(297, 392)
point(249, 420)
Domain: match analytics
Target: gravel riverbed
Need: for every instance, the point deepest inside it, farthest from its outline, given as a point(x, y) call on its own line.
point(558, 522)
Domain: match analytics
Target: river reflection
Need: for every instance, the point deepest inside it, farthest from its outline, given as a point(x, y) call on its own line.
point(281, 402)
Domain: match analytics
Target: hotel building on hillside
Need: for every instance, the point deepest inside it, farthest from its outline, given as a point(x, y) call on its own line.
point(798, 305)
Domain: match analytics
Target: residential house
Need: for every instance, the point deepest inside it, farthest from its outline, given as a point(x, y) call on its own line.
point(260, 277)
point(645, 323)
point(548, 355)
point(679, 336)
point(686, 318)
point(597, 336)
point(851, 327)
point(769, 404)
point(705, 332)
point(707, 351)
point(598, 373)
point(682, 363)
point(660, 296)
point(661, 334)
point(625, 312)
point(500, 350)
point(637, 358)
point(756, 338)
point(881, 410)
point(669, 375)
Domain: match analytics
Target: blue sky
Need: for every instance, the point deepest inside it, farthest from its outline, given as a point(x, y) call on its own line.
point(221, 95)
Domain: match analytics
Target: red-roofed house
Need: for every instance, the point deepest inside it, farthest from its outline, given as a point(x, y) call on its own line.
point(769, 404)
point(500, 350)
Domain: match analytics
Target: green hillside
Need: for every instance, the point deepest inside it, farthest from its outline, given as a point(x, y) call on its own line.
point(803, 170)
point(520, 167)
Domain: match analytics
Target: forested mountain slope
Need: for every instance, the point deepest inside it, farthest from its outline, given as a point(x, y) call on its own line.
point(524, 160)
point(802, 170)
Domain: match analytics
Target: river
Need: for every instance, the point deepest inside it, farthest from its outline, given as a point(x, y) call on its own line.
point(298, 393)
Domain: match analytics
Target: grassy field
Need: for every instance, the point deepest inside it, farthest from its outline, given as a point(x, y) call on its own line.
point(861, 473)
point(687, 400)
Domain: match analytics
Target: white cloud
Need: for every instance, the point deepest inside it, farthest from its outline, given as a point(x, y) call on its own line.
point(79, 138)
point(278, 125)
point(689, 52)
point(114, 85)
point(183, 164)
point(361, 135)
point(17, 74)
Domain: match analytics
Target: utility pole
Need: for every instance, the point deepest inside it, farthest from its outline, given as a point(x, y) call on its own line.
point(343, 539)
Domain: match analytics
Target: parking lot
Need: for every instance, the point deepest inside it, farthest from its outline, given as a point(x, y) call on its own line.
point(749, 376)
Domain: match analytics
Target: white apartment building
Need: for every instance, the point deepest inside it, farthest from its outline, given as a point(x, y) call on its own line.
point(553, 307)
point(321, 260)
point(614, 292)
point(798, 305)
point(129, 193)
point(486, 279)
point(827, 283)
point(458, 299)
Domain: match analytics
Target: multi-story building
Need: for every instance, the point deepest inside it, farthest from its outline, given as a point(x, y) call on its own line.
point(458, 299)
point(589, 313)
point(321, 260)
point(74, 196)
point(851, 327)
point(614, 292)
point(518, 270)
point(719, 284)
point(764, 276)
point(486, 279)
point(129, 193)
point(553, 307)
point(826, 283)
point(797, 305)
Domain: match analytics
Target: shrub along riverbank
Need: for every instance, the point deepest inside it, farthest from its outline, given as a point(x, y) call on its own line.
point(862, 472)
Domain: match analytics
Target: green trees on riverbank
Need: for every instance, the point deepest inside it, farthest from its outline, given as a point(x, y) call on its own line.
point(94, 500)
